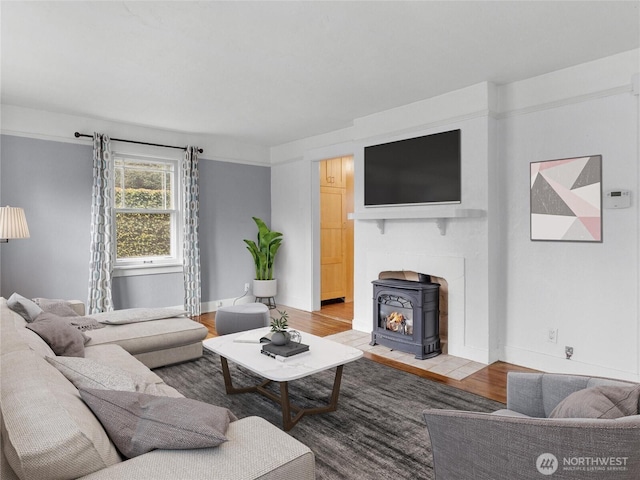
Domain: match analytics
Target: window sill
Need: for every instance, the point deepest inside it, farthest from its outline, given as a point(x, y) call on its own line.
point(135, 270)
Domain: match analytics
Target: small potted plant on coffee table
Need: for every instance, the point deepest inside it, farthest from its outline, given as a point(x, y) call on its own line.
point(279, 326)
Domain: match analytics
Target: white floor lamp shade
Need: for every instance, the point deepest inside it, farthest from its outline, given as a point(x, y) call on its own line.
point(13, 223)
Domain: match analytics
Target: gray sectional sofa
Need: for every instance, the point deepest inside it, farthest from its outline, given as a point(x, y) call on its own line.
point(49, 432)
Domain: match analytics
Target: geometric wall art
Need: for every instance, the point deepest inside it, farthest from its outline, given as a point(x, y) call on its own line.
point(566, 200)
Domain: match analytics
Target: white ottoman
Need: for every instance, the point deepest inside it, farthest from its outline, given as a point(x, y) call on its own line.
point(238, 318)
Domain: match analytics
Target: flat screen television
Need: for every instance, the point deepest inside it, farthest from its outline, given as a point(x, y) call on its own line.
point(419, 170)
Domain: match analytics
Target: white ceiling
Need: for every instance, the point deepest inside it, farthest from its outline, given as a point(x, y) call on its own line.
point(272, 72)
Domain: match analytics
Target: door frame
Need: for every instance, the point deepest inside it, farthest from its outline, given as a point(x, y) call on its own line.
point(345, 149)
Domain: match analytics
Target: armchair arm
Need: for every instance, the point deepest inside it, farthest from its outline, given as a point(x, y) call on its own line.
point(524, 394)
point(478, 446)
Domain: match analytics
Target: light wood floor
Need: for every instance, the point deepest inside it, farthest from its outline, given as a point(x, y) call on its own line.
point(490, 382)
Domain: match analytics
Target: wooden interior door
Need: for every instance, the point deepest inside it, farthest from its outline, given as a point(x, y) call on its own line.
point(336, 231)
point(331, 244)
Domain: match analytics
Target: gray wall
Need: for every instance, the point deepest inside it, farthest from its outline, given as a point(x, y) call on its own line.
point(52, 182)
point(230, 194)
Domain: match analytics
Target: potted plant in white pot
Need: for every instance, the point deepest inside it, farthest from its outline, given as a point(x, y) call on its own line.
point(264, 253)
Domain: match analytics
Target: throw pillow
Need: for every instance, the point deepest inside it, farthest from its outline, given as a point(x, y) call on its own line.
point(135, 315)
point(138, 423)
point(24, 307)
point(81, 323)
point(604, 401)
point(61, 308)
point(63, 339)
point(86, 373)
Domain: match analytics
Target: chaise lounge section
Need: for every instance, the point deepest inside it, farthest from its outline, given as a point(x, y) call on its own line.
point(168, 338)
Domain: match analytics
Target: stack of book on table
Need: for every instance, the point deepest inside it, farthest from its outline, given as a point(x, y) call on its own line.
point(284, 351)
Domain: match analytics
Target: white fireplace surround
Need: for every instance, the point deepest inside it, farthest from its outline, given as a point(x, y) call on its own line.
point(449, 268)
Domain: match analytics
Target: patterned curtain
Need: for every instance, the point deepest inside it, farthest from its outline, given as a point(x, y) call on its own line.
point(191, 244)
point(101, 263)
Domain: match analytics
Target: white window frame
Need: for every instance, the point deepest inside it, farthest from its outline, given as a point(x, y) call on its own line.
point(152, 265)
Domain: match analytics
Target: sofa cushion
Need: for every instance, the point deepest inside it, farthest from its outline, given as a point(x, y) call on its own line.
point(136, 315)
point(12, 328)
point(36, 343)
point(49, 430)
point(16, 337)
point(249, 454)
point(138, 423)
point(117, 356)
point(26, 308)
point(605, 401)
point(64, 339)
point(86, 373)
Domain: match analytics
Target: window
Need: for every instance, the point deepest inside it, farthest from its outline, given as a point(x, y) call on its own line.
point(147, 213)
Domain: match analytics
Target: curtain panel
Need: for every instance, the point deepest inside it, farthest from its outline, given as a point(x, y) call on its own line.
point(101, 248)
point(191, 244)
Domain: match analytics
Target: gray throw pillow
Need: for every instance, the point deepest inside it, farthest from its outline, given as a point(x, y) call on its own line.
point(604, 401)
point(58, 307)
point(86, 373)
point(24, 307)
point(81, 323)
point(63, 339)
point(138, 423)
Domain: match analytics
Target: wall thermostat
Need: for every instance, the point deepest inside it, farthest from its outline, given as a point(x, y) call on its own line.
point(617, 199)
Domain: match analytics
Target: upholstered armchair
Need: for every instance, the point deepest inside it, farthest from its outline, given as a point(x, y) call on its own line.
point(523, 442)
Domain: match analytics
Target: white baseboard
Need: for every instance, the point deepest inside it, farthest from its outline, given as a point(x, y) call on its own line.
point(556, 364)
point(214, 305)
point(474, 354)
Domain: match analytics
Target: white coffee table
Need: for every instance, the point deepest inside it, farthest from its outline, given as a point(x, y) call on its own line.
point(323, 355)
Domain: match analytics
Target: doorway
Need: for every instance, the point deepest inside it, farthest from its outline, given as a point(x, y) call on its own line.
point(336, 237)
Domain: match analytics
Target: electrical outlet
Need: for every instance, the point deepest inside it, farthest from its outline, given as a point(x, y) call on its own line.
point(246, 287)
point(552, 335)
point(568, 352)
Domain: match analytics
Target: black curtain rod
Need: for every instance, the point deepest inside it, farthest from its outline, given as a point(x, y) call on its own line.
point(78, 135)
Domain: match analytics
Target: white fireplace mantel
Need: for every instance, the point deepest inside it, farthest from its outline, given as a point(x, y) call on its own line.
point(441, 214)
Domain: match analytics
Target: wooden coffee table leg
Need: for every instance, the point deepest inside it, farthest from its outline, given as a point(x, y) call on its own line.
point(287, 408)
point(333, 404)
point(285, 404)
point(288, 422)
point(228, 384)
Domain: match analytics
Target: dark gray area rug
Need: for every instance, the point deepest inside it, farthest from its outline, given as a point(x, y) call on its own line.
point(377, 431)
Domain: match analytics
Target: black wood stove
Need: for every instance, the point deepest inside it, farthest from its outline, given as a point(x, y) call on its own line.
point(406, 316)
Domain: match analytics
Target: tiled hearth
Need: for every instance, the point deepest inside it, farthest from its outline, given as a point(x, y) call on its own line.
point(443, 364)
